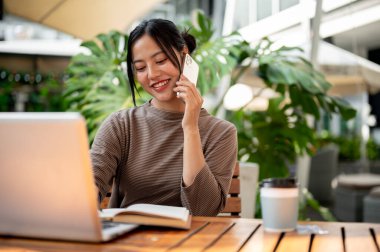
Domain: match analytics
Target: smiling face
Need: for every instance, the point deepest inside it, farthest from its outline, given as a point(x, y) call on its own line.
point(155, 72)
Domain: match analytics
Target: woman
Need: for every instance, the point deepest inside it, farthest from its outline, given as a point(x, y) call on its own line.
point(168, 151)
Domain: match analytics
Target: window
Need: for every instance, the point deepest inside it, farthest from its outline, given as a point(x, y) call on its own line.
point(242, 13)
point(264, 9)
point(284, 4)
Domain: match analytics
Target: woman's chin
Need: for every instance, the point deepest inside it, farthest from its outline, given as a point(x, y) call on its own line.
point(166, 97)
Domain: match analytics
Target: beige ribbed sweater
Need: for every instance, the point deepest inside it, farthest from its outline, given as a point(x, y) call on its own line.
point(145, 146)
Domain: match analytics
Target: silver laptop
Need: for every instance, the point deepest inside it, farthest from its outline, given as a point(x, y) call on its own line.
point(47, 187)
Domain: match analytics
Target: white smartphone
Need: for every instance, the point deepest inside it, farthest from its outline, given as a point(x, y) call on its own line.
point(190, 69)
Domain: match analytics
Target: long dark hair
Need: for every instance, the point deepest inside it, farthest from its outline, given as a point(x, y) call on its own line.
point(167, 37)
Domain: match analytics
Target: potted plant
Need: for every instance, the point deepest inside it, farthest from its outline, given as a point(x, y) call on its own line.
point(275, 137)
point(349, 151)
point(373, 154)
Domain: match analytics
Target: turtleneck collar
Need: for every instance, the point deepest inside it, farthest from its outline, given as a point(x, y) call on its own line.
point(169, 115)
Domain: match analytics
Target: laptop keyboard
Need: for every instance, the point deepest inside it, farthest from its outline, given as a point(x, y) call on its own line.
point(109, 224)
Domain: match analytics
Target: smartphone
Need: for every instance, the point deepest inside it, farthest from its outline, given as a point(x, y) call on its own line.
point(190, 69)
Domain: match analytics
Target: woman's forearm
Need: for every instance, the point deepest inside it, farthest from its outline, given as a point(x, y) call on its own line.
point(193, 158)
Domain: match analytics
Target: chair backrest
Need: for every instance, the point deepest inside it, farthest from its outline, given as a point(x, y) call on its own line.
point(233, 204)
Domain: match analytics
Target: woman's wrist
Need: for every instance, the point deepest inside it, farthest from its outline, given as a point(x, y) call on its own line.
point(191, 130)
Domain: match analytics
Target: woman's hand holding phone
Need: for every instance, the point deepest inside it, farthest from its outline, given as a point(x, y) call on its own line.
point(187, 91)
point(193, 158)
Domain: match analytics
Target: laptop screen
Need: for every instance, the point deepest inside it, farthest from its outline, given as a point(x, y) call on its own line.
point(46, 182)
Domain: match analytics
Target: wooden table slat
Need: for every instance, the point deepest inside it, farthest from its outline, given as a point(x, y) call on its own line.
point(358, 238)
point(292, 241)
point(261, 241)
point(161, 238)
point(376, 229)
point(234, 238)
point(328, 242)
point(205, 237)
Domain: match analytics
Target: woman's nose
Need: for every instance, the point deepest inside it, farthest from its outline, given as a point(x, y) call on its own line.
point(153, 72)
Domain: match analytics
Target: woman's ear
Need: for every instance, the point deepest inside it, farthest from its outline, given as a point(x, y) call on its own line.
point(185, 50)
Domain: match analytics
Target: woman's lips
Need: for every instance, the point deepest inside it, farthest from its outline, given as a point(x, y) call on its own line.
point(160, 86)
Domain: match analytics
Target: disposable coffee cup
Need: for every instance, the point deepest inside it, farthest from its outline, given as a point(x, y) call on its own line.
point(279, 204)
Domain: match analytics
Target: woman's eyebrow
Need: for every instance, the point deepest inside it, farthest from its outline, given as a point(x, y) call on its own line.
point(152, 56)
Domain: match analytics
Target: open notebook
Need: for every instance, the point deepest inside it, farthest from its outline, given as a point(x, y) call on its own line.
point(47, 188)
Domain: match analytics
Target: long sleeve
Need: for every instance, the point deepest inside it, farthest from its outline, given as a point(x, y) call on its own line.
point(106, 152)
point(143, 146)
point(207, 195)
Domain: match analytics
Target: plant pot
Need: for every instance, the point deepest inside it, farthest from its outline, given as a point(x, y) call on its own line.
point(350, 167)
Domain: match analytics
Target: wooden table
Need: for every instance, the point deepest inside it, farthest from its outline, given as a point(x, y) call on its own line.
point(221, 234)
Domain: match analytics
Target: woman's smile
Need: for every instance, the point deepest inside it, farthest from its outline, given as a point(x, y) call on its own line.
point(161, 85)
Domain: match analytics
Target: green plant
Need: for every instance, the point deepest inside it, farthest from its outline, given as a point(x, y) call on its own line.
point(270, 139)
point(349, 146)
point(41, 92)
point(314, 205)
point(217, 56)
point(275, 137)
point(47, 96)
point(373, 150)
point(97, 83)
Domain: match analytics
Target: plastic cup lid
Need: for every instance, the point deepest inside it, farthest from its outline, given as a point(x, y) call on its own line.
point(279, 183)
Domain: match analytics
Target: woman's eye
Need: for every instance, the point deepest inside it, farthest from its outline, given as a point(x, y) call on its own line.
point(161, 61)
point(140, 69)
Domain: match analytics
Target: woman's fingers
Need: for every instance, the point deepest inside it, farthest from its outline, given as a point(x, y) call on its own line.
point(188, 93)
point(186, 89)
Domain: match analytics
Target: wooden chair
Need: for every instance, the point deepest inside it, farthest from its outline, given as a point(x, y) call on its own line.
point(233, 204)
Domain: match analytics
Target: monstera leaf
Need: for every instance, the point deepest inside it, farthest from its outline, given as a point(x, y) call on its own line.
point(275, 137)
point(97, 83)
point(290, 74)
point(217, 56)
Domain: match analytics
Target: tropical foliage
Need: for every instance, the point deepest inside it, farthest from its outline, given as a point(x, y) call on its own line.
point(34, 91)
point(275, 137)
point(97, 85)
point(349, 146)
point(217, 56)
